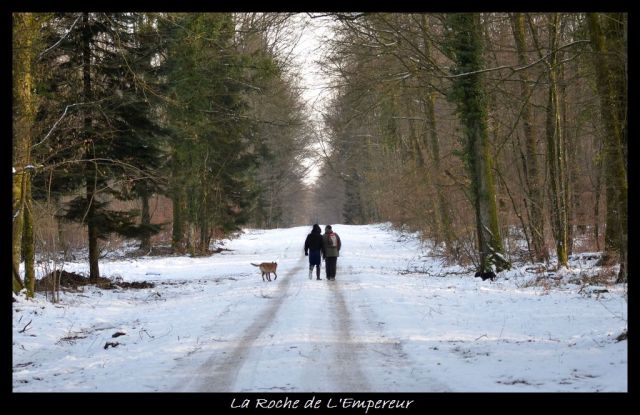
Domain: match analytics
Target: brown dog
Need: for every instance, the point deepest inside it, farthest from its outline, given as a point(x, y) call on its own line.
point(267, 268)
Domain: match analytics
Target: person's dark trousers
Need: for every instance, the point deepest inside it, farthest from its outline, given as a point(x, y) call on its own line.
point(330, 266)
point(314, 261)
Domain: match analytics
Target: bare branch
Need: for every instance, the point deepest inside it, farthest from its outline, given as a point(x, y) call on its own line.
point(60, 119)
point(513, 70)
point(41, 55)
point(25, 327)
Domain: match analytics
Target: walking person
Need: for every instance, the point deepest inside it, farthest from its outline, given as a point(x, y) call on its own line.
point(330, 251)
point(312, 249)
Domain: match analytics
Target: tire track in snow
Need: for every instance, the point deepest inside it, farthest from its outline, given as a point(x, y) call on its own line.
point(348, 374)
point(393, 356)
point(219, 374)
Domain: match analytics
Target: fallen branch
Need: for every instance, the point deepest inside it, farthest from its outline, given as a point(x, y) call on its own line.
point(145, 332)
point(25, 327)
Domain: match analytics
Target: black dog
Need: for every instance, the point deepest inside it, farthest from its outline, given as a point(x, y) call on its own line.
point(490, 275)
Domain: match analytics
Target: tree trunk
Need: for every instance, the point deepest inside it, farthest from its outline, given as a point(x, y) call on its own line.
point(191, 239)
point(568, 153)
point(28, 241)
point(177, 200)
point(471, 103)
point(203, 214)
point(597, 195)
point(424, 175)
point(614, 160)
point(177, 234)
point(204, 239)
point(145, 220)
point(615, 32)
point(91, 171)
point(94, 253)
point(442, 205)
point(556, 156)
point(25, 31)
point(531, 164)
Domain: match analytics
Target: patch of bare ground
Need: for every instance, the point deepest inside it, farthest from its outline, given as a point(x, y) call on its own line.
point(169, 251)
point(72, 281)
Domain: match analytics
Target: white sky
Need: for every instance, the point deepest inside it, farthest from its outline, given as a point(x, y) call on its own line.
point(308, 55)
point(394, 320)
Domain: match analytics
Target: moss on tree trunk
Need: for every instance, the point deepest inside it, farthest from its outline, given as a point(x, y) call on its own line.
point(25, 33)
point(616, 234)
point(468, 94)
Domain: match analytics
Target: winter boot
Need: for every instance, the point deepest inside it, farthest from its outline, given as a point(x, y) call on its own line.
point(310, 273)
point(318, 273)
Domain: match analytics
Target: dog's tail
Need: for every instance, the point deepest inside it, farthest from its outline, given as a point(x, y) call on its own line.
point(255, 265)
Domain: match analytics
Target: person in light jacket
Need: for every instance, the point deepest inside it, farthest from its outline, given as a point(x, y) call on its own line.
point(331, 245)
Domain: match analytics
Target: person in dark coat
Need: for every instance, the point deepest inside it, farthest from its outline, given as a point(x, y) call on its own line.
point(331, 245)
point(313, 248)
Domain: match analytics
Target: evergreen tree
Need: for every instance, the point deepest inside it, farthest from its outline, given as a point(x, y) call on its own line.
point(106, 137)
point(212, 183)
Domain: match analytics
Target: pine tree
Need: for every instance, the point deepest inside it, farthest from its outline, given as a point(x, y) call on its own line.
point(106, 137)
point(212, 183)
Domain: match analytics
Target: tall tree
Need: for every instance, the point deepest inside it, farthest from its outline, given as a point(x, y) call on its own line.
point(150, 138)
point(213, 185)
point(26, 27)
point(102, 141)
point(443, 208)
point(556, 150)
point(531, 164)
point(609, 75)
point(468, 94)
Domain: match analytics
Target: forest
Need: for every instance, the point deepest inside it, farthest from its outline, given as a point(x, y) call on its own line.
point(499, 137)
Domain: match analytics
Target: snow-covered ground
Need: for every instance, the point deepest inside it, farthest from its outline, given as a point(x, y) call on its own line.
point(212, 324)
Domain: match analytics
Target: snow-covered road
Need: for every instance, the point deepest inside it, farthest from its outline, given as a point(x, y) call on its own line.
point(212, 324)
